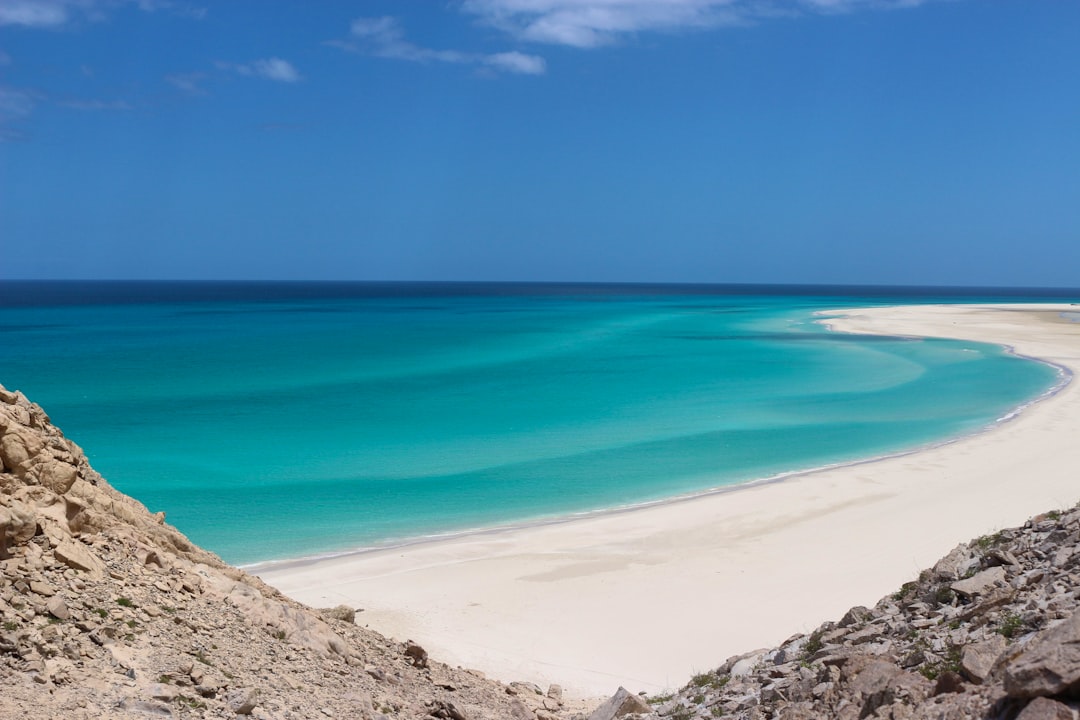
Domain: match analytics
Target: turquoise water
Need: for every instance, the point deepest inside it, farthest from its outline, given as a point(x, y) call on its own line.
point(278, 426)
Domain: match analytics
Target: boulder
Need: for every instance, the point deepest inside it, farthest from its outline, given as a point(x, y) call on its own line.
point(1045, 709)
point(242, 700)
point(416, 654)
point(978, 658)
point(17, 525)
point(1050, 665)
point(76, 556)
point(44, 589)
point(948, 682)
point(980, 583)
point(622, 703)
point(56, 475)
point(18, 446)
point(855, 616)
point(58, 608)
point(446, 710)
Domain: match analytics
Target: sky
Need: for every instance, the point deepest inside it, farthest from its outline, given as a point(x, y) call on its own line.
point(896, 142)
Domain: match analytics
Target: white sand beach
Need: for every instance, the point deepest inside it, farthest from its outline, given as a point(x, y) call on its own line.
point(647, 597)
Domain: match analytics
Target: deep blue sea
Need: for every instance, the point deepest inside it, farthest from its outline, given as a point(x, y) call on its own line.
point(275, 421)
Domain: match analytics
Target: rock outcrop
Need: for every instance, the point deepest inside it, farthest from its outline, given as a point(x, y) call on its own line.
point(106, 611)
point(992, 631)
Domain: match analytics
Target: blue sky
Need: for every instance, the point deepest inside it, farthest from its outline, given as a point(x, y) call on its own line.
point(746, 141)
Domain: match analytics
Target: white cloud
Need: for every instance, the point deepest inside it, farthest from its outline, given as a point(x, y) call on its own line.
point(269, 68)
point(33, 13)
point(276, 69)
point(188, 82)
point(385, 37)
point(55, 13)
point(591, 23)
point(517, 62)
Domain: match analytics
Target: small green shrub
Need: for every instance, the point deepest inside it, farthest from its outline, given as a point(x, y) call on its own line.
point(1010, 625)
point(944, 595)
point(186, 701)
point(813, 644)
point(709, 679)
point(951, 662)
point(986, 542)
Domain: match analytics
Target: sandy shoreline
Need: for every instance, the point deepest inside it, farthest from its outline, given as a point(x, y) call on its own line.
point(646, 598)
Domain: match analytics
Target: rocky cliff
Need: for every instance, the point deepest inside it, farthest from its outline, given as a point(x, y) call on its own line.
point(106, 611)
point(990, 632)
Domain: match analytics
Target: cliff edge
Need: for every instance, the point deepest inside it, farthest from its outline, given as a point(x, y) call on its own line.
point(107, 611)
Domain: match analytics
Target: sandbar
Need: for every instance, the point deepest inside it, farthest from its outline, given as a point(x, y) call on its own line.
point(646, 598)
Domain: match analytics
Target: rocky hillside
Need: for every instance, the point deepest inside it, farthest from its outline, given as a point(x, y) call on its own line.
point(106, 611)
point(109, 612)
point(990, 632)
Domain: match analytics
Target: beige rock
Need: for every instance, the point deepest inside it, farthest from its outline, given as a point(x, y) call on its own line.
point(56, 475)
point(242, 700)
point(978, 659)
point(17, 525)
point(417, 655)
point(1050, 665)
point(18, 446)
point(58, 608)
point(1046, 709)
point(980, 583)
point(955, 564)
point(622, 703)
point(42, 588)
point(75, 555)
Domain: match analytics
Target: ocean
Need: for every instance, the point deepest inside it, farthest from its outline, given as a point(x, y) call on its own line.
point(277, 421)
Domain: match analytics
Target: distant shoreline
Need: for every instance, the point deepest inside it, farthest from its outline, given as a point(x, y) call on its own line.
point(556, 596)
